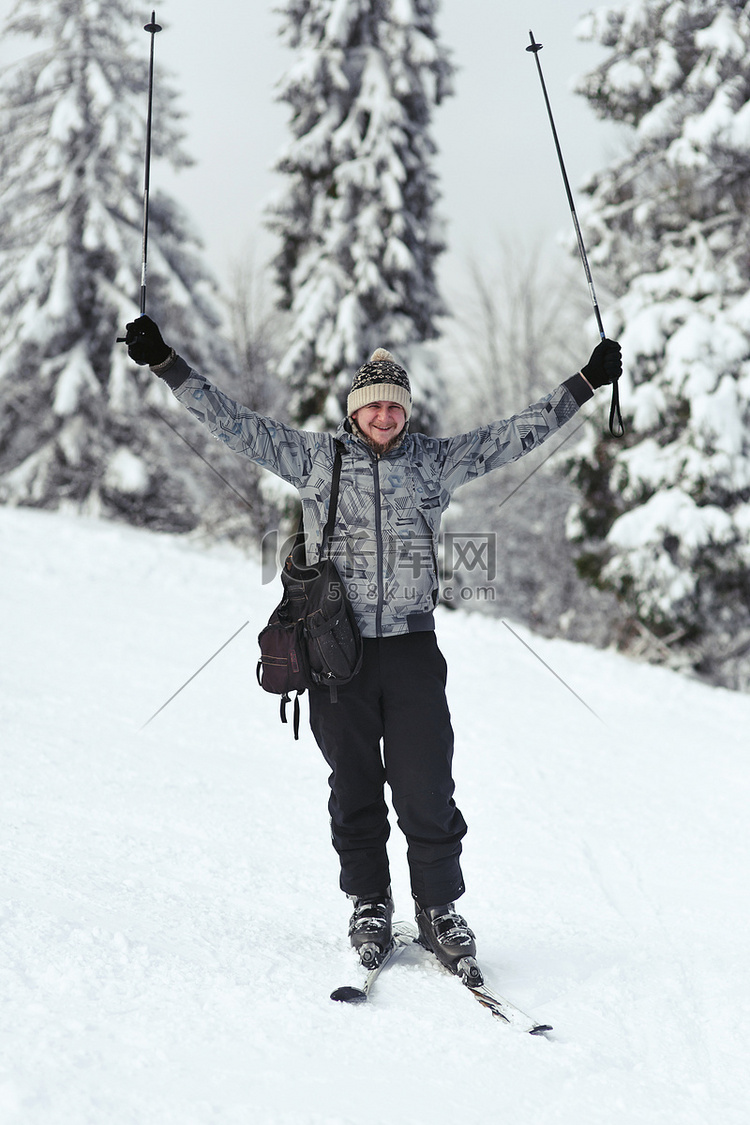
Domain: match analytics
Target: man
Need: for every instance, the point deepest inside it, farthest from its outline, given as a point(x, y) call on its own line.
point(394, 488)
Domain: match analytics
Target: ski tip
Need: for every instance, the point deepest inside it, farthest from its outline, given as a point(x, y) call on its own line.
point(541, 1029)
point(349, 995)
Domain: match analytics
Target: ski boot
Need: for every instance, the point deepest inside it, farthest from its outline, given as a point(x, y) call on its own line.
point(446, 934)
point(370, 927)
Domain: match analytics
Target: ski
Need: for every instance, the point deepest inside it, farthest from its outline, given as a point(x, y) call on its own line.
point(503, 1010)
point(471, 977)
point(467, 972)
point(403, 935)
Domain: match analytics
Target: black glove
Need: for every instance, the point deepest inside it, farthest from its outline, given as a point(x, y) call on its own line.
point(605, 365)
point(144, 342)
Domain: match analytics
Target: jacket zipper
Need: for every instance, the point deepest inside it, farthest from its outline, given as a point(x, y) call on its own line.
point(379, 547)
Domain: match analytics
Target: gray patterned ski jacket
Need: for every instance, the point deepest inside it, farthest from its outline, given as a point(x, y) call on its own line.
point(385, 538)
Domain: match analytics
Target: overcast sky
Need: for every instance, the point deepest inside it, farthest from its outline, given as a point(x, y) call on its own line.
point(497, 165)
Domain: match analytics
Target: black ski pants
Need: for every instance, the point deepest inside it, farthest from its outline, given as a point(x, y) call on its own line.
point(397, 699)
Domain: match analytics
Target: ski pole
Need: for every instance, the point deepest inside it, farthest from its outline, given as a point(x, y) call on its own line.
point(190, 680)
point(614, 412)
point(152, 29)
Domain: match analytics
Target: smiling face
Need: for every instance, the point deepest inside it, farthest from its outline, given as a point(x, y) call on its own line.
point(380, 422)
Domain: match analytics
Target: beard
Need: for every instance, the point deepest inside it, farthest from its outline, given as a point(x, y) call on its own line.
point(380, 447)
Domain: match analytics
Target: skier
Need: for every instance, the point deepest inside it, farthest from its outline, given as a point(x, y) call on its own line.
point(394, 487)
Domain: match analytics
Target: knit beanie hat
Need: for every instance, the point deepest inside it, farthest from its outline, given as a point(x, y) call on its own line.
point(380, 380)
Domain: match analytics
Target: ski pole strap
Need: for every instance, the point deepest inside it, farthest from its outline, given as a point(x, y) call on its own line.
point(295, 711)
point(615, 414)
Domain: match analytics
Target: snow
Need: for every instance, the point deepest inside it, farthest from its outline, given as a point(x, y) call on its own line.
point(171, 923)
point(627, 76)
point(657, 123)
point(719, 418)
point(339, 21)
point(667, 70)
point(127, 473)
point(739, 133)
point(715, 120)
point(671, 510)
point(698, 348)
point(397, 256)
point(59, 303)
point(66, 121)
point(75, 381)
point(722, 36)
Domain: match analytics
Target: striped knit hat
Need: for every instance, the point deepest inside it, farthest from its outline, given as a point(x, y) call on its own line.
point(380, 380)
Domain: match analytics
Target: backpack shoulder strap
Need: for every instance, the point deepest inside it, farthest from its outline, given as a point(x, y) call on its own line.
point(300, 539)
point(333, 502)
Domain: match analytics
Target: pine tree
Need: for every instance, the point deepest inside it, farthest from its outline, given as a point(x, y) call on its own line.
point(666, 515)
point(359, 235)
point(76, 417)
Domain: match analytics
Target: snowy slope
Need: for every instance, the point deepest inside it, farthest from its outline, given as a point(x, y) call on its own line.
point(170, 923)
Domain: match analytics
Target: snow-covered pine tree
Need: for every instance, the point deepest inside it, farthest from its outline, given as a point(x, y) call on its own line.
point(666, 515)
point(76, 420)
point(357, 223)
